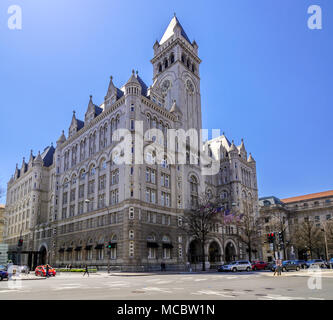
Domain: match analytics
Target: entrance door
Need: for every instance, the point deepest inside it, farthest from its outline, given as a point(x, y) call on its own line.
point(230, 252)
point(42, 255)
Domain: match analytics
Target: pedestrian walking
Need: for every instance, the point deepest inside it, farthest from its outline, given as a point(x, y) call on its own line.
point(47, 271)
point(86, 271)
point(278, 267)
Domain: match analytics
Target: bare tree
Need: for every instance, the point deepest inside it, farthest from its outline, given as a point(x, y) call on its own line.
point(248, 226)
point(277, 222)
point(197, 222)
point(309, 237)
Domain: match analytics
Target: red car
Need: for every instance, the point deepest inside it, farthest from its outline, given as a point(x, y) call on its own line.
point(41, 271)
point(259, 265)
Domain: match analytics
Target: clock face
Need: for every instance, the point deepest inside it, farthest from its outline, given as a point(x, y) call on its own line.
point(165, 86)
point(190, 86)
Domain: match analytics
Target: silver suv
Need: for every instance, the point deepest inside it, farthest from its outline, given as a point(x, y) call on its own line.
point(316, 263)
point(242, 265)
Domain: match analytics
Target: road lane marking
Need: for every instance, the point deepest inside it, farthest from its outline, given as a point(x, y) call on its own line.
point(156, 289)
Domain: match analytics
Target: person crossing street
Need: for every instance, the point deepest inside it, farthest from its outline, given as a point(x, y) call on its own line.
point(278, 267)
point(86, 271)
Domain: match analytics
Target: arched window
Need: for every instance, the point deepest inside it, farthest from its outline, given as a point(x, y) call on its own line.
point(102, 164)
point(166, 64)
point(183, 58)
point(194, 184)
point(131, 234)
point(159, 67)
point(188, 63)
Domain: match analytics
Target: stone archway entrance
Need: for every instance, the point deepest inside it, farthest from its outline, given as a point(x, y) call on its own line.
point(230, 252)
point(214, 252)
point(195, 252)
point(42, 255)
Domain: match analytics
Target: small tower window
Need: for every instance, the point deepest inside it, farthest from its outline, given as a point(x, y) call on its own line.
point(165, 63)
point(172, 58)
point(188, 63)
point(159, 67)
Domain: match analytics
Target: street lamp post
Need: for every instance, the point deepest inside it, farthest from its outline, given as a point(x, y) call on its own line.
point(325, 237)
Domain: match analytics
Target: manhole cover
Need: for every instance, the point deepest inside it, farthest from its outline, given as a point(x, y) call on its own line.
point(137, 291)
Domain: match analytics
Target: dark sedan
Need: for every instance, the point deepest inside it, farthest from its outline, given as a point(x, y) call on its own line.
point(288, 265)
point(3, 274)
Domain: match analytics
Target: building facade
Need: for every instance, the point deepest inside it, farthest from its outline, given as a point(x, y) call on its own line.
point(286, 215)
point(67, 202)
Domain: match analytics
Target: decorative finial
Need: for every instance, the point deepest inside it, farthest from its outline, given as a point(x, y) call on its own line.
point(90, 96)
point(137, 72)
point(73, 112)
point(63, 132)
point(174, 14)
point(51, 144)
point(223, 133)
point(133, 71)
point(111, 77)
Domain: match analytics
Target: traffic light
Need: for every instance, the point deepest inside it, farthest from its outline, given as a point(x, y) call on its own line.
point(271, 237)
point(280, 237)
point(109, 246)
point(20, 243)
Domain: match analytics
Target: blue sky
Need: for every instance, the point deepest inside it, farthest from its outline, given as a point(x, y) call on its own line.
point(265, 76)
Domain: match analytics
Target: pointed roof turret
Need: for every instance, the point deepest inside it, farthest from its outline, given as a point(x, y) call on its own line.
point(111, 89)
point(132, 79)
point(242, 146)
point(61, 139)
point(136, 81)
point(250, 159)
point(38, 159)
point(174, 108)
point(92, 111)
point(232, 147)
point(170, 31)
point(31, 158)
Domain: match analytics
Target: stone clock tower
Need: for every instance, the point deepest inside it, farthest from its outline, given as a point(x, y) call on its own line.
point(176, 74)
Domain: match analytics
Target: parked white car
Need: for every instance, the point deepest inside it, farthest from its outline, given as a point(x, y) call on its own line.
point(242, 265)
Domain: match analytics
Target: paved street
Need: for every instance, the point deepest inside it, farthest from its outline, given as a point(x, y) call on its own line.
point(236, 286)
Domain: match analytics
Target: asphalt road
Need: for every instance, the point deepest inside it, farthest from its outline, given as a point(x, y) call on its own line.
point(187, 286)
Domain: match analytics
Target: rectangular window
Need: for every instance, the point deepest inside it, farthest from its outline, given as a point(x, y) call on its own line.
point(151, 253)
point(153, 196)
point(167, 200)
point(81, 191)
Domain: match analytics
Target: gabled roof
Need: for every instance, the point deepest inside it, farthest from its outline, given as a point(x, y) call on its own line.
point(169, 32)
point(80, 124)
point(47, 156)
point(308, 196)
